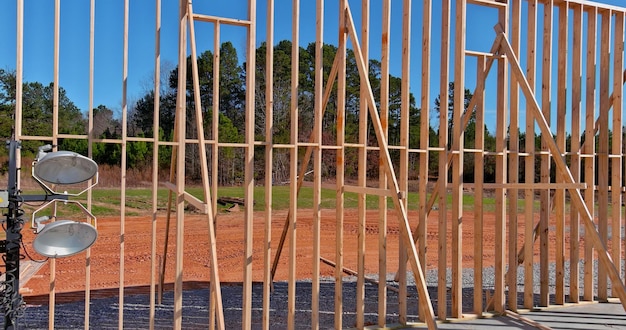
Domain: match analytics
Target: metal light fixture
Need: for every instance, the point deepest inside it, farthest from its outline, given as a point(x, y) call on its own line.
point(63, 238)
point(63, 168)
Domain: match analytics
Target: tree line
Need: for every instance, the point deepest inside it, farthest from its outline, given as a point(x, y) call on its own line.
point(38, 103)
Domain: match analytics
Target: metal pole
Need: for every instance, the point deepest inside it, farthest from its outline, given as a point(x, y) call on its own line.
point(12, 298)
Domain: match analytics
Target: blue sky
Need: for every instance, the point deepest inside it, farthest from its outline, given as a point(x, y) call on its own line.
point(74, 47)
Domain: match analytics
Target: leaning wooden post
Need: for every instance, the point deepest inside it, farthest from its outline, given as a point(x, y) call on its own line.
point(340, 177)
point(404, 146)
point(216, 310)
point(362, 173)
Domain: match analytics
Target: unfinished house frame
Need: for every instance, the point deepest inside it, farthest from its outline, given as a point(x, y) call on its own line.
point(574, 86)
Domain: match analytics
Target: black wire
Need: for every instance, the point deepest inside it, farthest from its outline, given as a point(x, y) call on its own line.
point(30, 257)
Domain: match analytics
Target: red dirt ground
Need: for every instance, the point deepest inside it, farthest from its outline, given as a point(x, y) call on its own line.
point(105, 254)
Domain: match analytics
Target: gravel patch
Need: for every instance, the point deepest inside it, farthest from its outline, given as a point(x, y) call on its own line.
point(105, 311)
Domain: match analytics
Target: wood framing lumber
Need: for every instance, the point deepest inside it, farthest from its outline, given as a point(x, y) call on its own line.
point(181, 116)
point(563, 170)
point(405, 229)
point(317, 162)
point(248, 181)
point(480, 85)
point(354, 273)
point(191, 199)
point(305, 161)
point(340, 160)
point(382, 177)
point(216, 296)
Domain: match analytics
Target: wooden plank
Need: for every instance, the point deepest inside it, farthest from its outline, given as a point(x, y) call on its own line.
point(440, 185)
point(559, 195)
point(404, 144)
point(223, 20)
point(458, 137)
point(401, 209)
point(526, 320)
point(123, 164)
point(90, 120)
point(215, 147)
point(248, 184)
point(269, 168)
point(55, 131)
point(513, 157)
point(180, 166)
point(19, 74)
point(594, 6)
point(577, 55)
point(293, 162)
point(424, 132)
point(216, 310)
point(616, 147)
point(488, 3)
point(444, 158)
point(355, 273)
point(589, 146)
point(317, 160)
point(576, 197)
point(155, 158)
point(362, 173)
point(603, 146)
point(538, 185)
point(479, 174)
point(307, 157)
point(191, 199)
point(368, 190)
point(382, 176)
point(544, 195)
point(501, 177)
point(340, 177)
point(216, 115)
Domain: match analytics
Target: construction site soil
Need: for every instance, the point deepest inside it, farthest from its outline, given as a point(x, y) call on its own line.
point(134, 248)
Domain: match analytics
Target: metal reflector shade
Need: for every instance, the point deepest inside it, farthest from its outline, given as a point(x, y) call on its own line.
point(64, 238)
point(65, 167)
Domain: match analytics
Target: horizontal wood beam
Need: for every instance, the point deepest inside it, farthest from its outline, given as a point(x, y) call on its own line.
point(490, 3)
point(221, 20)
point(191, 199)
point(535, 185)
point(368, 190)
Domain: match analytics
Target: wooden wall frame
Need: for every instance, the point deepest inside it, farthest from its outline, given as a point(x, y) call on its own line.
point(534, 209)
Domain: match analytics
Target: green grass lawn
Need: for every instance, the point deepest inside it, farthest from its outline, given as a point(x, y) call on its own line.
point(107, 201)
point(139, 200)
